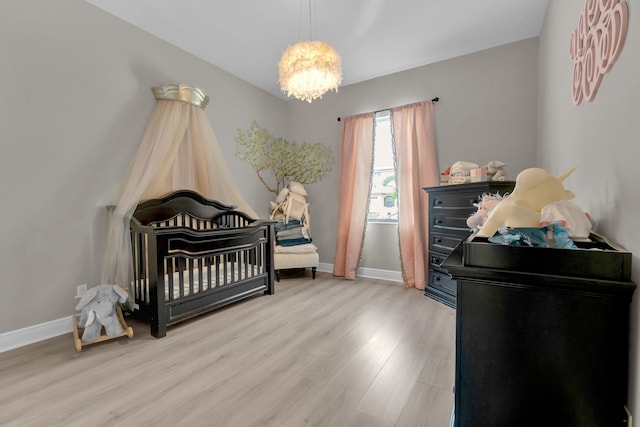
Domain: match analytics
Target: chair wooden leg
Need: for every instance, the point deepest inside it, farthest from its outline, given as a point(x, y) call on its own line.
point(313, 273)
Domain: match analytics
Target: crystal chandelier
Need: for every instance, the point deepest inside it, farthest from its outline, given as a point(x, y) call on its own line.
point(309, 69)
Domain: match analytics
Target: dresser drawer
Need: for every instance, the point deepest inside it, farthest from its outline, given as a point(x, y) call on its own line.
point(436, 259)
point(444, 243)
point(451, 225)
point(442, 281)
point(465, 195)
point(455, 201)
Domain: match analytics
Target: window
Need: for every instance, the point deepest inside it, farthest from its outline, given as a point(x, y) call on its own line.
point(383, 203)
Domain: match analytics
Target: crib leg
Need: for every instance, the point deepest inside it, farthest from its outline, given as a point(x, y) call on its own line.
point(313, 273)
point(158, 330)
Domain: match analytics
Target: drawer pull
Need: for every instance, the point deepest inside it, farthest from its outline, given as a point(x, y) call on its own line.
point(437, 202)
point(438, 221)
point(437, 240)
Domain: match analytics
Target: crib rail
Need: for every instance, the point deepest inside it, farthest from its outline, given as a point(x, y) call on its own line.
point(176, 203)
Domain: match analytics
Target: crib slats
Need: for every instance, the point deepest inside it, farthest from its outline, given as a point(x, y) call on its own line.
point(189, 276)
point(140, 266)
point(225, 269)
point(168, 266)
point(190, 273)
point(186, 276)
point(199, 282)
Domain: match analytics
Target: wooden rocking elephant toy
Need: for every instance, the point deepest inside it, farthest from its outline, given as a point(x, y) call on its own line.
point(98, 309)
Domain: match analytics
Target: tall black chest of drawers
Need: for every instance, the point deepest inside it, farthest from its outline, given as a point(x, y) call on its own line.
point(449, 208)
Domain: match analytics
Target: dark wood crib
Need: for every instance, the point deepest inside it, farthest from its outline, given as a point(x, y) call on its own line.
point(192, 255)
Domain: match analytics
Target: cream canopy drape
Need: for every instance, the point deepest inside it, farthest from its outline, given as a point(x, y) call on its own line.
point(179, 151)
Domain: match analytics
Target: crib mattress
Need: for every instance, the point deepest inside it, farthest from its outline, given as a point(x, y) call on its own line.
point(226, 275)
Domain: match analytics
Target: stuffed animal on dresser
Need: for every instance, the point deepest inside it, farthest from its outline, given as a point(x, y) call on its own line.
point(535, 188)
point(485, 206)
point(495, 171)
point(98, 308)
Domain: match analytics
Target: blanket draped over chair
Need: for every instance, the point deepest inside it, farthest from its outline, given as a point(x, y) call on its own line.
point(293, 230)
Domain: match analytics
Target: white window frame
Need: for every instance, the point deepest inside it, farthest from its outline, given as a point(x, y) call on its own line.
point(384, 165)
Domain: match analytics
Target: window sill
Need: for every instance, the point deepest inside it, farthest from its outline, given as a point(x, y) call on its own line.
point(382, 222)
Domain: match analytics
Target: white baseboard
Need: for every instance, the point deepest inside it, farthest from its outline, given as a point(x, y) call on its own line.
point(373, 273)
point(325, 267)
point(376, 273)
point(29, 335)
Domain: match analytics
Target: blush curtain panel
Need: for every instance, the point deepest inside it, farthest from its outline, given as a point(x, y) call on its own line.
point(416, 168)
point(354, 172)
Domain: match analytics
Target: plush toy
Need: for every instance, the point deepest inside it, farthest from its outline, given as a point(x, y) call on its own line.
point(495, 171)
point(485, 206)
point(98, 309)
point(574, 220)
point(535, 188)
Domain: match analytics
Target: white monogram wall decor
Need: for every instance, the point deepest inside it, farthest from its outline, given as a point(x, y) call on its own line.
point(596, 44)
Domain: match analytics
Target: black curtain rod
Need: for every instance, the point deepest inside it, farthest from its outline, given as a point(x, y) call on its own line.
point(436, 99)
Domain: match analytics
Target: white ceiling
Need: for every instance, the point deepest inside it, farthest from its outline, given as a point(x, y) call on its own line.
point(373, 37)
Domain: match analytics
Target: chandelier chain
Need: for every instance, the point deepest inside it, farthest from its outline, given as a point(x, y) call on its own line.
point(313, 23)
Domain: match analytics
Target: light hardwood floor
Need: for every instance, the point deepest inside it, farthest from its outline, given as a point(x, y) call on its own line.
point(324, 352)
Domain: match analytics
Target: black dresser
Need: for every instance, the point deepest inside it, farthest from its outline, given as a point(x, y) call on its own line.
point(449, 208)
point(542, 335)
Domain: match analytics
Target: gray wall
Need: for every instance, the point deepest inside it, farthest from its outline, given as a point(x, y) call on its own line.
point(76, 99)
point(487, 111)
point(600, 138)
point(75, 84)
